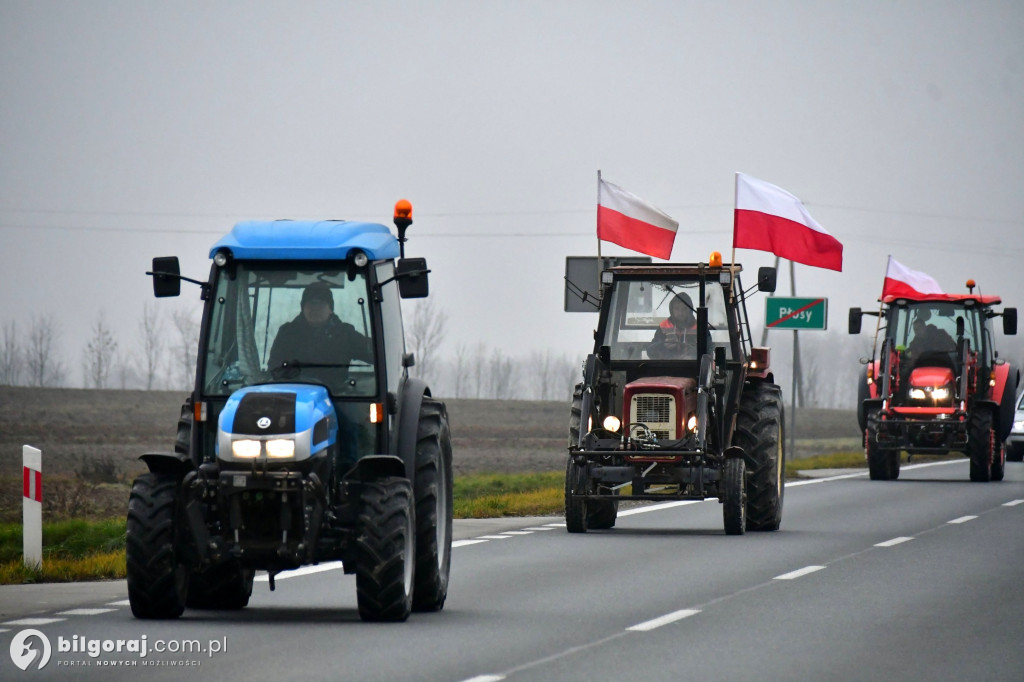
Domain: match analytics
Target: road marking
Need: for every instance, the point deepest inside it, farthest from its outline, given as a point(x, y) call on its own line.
point(464, 543)
point(662, 505)
point(1014, 503)
point(305, 570)
point(538, 528)
point(649, 625)
point(555, 525)
point(517, 532)
point(493, 537)
point(893, 542)
point(963, 519)
point(85, 612)
point(799, 573)
point(485, 678)
point(123, 602)
point(33, 621)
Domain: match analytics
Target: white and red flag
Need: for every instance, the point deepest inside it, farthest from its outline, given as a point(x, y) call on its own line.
point(627, 220)
point(902, 281)
point(768, 218)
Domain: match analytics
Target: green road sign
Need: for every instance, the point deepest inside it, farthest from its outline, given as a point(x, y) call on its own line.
point(796, 313)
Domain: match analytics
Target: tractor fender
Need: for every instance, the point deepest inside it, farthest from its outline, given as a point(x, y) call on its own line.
point(733, 452)
point(178, 463)
point(407, 424)
point(1004, 394)
point(372, 467)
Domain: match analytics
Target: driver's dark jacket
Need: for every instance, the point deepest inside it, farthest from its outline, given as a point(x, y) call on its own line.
point(332, 343)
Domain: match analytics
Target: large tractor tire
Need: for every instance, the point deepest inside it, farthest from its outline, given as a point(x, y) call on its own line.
point(999, 462)
point(224, 587)
point(760, 432)
point(883, 464)
point(157, 578)
point(601, 514)
point(734, 496)
point(980, 444)
point(433, 490)
point(385, 550)
point(183, 437)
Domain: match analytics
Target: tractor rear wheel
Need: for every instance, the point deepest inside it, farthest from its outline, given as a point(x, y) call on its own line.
point(385, 550)
point(734, 496)
point(157, 578)
point(759, 431)
point(980, 445)
point(433, 507)
point(999, 462)
point(224, 587)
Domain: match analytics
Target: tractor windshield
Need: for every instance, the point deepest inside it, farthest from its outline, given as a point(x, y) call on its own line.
point(656, 319)
point(281, 324)
point(931, 326)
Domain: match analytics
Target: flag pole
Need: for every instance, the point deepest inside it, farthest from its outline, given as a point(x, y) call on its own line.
point(732, 260)
point(600, 263)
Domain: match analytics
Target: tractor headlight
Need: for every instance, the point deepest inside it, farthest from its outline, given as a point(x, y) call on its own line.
point(612, 423)
point(280, 448)
point(917, 394)
point(246, 449)
point(940, 394)
point(691, 422)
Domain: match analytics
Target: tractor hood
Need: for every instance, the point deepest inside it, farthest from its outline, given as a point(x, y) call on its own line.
point(276, 424)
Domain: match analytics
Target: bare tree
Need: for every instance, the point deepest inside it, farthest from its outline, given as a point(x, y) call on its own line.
point(10, 356)
point(461, 371)
point(478, 366)
point(502, 376)
point(427, 329)
point(99, 354)
point(44, 367)
point(182, 368)
point(151, 340)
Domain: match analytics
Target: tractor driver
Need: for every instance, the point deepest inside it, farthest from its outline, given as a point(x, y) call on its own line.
point(319, 340)
point(927, 337)
point(676, 337)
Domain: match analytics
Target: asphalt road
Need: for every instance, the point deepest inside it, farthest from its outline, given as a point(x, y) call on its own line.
point(916, 579)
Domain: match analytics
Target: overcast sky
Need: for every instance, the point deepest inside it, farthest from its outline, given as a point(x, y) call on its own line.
point(137, 129)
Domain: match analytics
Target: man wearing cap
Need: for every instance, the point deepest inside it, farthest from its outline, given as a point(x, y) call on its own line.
point(317, 343)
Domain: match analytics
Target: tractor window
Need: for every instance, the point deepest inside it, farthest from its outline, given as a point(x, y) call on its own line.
point(931, 326)
point(657, 320)
point(269, 324)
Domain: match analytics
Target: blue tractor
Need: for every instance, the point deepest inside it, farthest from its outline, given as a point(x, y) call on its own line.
point(305, 440)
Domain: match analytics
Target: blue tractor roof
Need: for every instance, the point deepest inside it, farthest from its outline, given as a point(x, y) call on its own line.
point(307, 240)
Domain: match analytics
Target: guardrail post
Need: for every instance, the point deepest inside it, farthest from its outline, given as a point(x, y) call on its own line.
point(32, 506)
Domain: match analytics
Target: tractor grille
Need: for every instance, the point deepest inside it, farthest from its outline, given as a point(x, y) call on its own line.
point(657, 411)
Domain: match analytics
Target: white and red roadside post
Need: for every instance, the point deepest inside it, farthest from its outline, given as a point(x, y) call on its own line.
point(32, 506)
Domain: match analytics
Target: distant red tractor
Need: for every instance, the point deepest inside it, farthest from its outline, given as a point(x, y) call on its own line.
point(935, 384)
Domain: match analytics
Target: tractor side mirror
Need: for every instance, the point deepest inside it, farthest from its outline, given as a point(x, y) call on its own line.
point(166, 277)
point(411, 274)
point(1010, 321)
point(854, 323)
point(766, 279)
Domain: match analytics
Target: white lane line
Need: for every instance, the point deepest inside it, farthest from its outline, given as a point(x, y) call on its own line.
point(123, 602)
point(905, 467)
point(893, 542)
point(4, 630)
point(649, 625)
point(465, 543)
point(538, 528)
point(305, 570)
point(555, 525)
point(517, 532)
point(963, 519)
point(493, 537)
point(33, 621)
point(1014, 503)
point(662, 505)
point(486, 678)
point(85, 612)
point(799, 573)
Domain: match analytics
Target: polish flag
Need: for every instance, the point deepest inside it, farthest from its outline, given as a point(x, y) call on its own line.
point(768, 218)
point(902, 281)
point(627, 220)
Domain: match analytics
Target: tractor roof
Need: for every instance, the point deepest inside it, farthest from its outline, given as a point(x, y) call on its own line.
point(673, 270)
point(946, 298)
point(307, 240)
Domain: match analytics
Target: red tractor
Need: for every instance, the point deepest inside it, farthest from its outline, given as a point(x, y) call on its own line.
point(935, 384)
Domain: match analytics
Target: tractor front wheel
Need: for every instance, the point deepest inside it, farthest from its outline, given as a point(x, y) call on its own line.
point(759, 431)
point(734, 496)
point(224, 587)
point(433, 507)
point(883, 465)
point(385, 550)
point(980, 445)
point(575, 507)
point(157, 578)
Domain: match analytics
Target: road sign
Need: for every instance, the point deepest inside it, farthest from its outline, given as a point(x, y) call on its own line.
point(783, 312)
